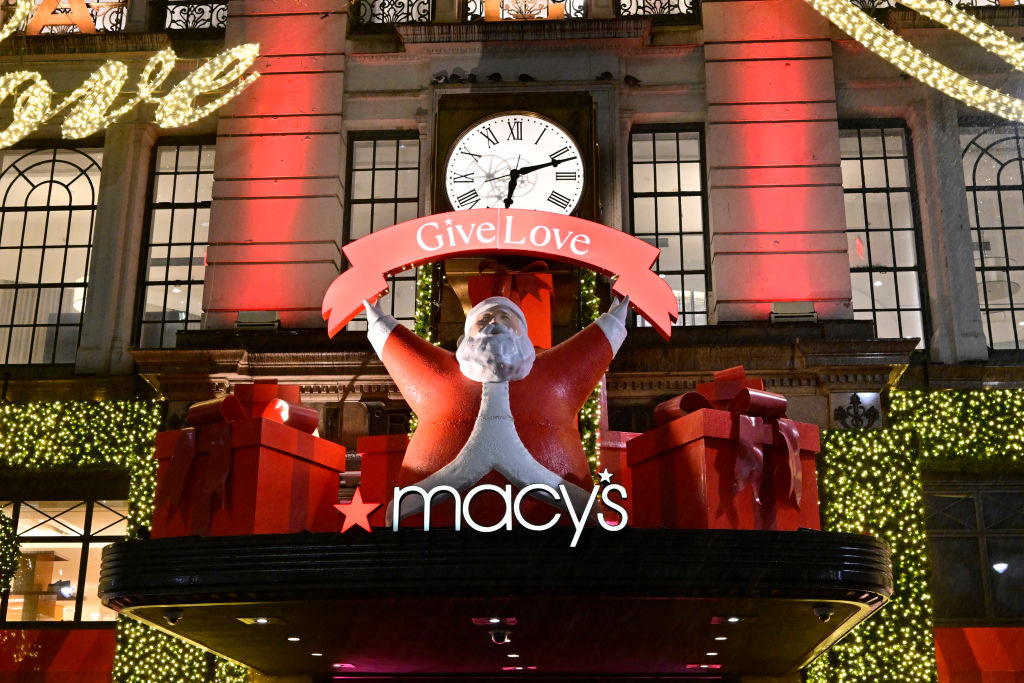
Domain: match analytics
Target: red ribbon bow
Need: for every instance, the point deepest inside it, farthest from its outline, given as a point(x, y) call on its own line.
point(755, 410)
point(215, 417)
point(517, 284)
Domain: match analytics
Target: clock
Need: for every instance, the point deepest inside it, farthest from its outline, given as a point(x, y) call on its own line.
point(517, 160)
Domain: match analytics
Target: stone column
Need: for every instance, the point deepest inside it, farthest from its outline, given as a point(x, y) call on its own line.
point(109, 316)
point(775, 187)
point(275, 226)
point(956, 333)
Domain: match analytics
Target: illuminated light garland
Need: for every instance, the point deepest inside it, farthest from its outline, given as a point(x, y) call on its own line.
point(62, 435)
point(590, 413)
point(90, 103)
point(424, 314)
point(875, 37)
point(10, 553)
point(87, 433)
point(870, 482)
point(166, 659)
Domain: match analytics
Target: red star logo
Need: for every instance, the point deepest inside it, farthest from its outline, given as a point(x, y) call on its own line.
point(357, 512)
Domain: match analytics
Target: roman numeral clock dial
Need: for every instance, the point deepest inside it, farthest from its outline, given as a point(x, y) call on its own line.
point(517, 161)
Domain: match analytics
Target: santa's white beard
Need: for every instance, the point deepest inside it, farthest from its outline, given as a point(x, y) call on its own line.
point(496, 354)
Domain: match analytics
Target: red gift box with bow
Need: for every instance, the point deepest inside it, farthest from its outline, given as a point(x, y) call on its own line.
point(725, 457)
point(530, 288)
point(249, 464)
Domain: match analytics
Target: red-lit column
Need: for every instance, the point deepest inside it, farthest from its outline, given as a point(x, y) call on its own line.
point(775, 186)
point(275, 226)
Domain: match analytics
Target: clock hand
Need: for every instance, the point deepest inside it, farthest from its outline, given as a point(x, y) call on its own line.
point(512, 181)
point(554, 162)
point(529, 169)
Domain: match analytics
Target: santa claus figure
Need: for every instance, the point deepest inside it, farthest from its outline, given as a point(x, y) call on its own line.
point(495, 411)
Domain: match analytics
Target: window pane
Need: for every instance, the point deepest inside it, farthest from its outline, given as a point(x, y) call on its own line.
point(992, 156)
point(45, 583)
point(47, 244)
point(384, 171)
point(883, 259)
point(956, 583)
point(174, 275)
point(667, 212)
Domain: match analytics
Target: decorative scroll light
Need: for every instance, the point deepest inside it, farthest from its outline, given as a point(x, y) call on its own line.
point(90, 105)
point(904, 56)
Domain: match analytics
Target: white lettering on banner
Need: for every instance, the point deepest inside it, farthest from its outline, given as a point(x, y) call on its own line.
point(513, 507)
point(430, 236)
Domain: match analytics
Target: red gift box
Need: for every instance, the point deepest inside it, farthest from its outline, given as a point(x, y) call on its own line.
point(381, 462)
point(744, 468)
point(234, 474)
point(530, 288)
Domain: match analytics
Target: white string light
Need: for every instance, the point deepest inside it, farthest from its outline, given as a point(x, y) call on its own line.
point(90, 104)
point(904, 56)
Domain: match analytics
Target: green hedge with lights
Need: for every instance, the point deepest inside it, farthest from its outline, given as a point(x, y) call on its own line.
point(64, 436)
point(870, 482)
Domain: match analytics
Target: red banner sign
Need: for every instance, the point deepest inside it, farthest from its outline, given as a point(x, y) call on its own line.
point(508, 231)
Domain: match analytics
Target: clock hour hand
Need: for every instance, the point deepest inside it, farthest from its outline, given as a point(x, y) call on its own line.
point(513, 179)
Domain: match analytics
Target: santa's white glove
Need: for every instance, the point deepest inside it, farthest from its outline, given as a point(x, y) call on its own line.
point(613, 323)
point(378, 326)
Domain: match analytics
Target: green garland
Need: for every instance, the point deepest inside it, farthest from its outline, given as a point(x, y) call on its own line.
point(120, 434)
point(870, 482)
point(10, 553)
point(425, 288)
point(590, 413)
point(72, 434)
point(157, 658)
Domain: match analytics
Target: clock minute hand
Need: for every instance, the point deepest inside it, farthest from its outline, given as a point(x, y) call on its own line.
point(535, 167)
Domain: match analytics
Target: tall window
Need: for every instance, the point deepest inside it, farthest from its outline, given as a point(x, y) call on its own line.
point(383, 189)
point(667, 191)
point(976, 546)
point(179, 223)
point(992, 159)
point(881, 230)
point(46, 220)
point(61, 547)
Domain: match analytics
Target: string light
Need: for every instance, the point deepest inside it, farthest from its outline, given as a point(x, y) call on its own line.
point(91, 102)
point(145, 655)
point(904, 56)
point(590, 413)
point(870, 482)
point(71, 434)
point(10, 553)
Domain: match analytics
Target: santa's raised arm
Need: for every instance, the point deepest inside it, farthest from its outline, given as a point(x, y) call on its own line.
point(495, 409)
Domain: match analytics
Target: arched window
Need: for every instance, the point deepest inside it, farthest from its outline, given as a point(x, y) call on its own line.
point(992, 160)
point(47, 209)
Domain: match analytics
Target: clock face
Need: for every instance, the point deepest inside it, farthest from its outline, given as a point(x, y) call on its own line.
point(515, 160)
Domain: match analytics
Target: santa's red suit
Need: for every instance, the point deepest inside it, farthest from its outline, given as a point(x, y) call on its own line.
point(544, 404)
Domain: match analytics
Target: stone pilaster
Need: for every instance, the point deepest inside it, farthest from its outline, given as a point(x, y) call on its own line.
point(775, 187)
point(275, 228)
point(109, 316)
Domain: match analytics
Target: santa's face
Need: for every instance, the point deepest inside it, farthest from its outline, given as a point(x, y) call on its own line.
point(496, 347)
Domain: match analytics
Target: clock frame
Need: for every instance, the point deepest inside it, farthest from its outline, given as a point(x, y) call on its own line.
point(573, 112)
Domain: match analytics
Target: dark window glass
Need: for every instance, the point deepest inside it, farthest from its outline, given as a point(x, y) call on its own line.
point(976, 548)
